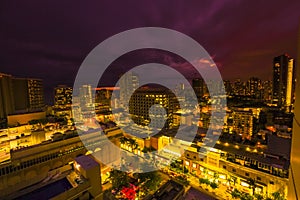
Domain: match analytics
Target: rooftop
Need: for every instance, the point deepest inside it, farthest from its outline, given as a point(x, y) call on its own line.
point(48, 191)
point(86, 162)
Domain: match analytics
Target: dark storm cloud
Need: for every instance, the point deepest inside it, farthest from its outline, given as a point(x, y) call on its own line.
point(49, 40)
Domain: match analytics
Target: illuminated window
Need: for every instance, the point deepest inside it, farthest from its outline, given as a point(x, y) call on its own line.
point(222, 176)
point(244, 184)
point(210, 173)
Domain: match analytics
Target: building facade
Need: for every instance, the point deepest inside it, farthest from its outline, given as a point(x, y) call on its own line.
point(234, 165)
point(199, 87)
point(143, 99)
point(254, 88)
point(6, 95)
point(283, 81)
point(20, 95)
point(31, 165)
point(28, 94)
point(63, 96)
point(129, 82)
point(243, 122)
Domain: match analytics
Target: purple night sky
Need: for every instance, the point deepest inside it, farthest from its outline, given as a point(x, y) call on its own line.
point(49, 40)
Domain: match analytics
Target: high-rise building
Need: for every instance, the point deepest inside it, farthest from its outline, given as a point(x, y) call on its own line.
point(6, 95)
point(214, 87)
point(129, 82)
point(28, 94)
point(63, 96)
point(20, 95)
point(35, 94)
point(239, 87)
point(243, 122)
point(142, 100)
point(86, 97)
point(283, 81)
point(228, 87)
point(254, 87)
point(198, 85)
point(267, 91)
point(294, 172)
point(86, 103)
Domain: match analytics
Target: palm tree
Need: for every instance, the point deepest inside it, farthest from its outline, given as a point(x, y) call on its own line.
point(278, 196)
point(118, 178)
point(133, 144)
point(216, 176)
point(123, 140)
point(229, 180)
point(234, 180)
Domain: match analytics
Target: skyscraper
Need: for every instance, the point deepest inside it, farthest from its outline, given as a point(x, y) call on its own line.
point(144, 98)
point(228, 87)
point(239, 87)
point(63, 96)
point(254, 87)
point(267, 91)
point(243, 122)
point(129, 82)
point(20, 95)
point(28, 94)
point(283, 81)
point(86, 97)
point(198, 86)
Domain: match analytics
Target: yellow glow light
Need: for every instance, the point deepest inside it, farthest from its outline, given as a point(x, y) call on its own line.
point(77, 166)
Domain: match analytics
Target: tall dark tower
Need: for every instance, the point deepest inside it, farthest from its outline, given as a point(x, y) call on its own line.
point(283, 81)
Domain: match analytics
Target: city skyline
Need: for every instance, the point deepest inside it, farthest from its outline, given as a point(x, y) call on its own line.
point(242, 45)
point(49, 96)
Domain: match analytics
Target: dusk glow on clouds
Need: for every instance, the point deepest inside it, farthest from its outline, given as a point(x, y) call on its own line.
point(50, 40)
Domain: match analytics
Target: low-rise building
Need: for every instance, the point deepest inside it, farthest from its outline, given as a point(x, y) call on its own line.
point(236, 164)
